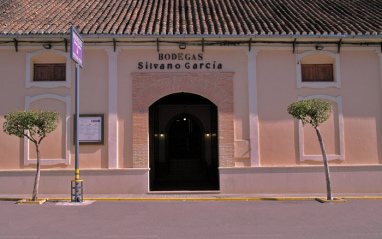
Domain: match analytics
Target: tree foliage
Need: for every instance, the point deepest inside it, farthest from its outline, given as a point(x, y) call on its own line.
point(35, 125)
point(312, 111)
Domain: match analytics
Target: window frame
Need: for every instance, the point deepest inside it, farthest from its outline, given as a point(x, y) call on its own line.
point(319, 84)
point(29, 76)
point(66, 121)
point(341, 156)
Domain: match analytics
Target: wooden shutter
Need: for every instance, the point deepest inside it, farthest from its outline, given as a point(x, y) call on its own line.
point(49, 72)
point(41, 72)
point(317, 72)
point(59, 72)
point(307, 72)
point(324, 72)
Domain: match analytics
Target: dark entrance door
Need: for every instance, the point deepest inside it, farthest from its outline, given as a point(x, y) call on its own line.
point(183, 144)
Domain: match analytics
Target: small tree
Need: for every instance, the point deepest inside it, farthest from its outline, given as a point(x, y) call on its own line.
point(35, 125)
point(314, 112)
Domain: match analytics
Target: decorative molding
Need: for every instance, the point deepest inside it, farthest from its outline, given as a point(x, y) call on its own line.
point(29, 71)
point(336, 69)
point(341, 156)
point(112, 137)
point(66, 160)
point(253, 114)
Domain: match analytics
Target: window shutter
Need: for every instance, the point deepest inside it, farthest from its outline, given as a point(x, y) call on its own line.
point(42, 72)
point(324, 72)
point(59, 72)
point(49, 72)
point(307, 71)
point(317, 72)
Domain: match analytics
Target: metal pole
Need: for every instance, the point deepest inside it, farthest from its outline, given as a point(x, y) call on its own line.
point(77, 116)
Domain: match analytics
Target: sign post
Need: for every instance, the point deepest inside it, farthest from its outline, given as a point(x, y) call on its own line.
point(76, 54)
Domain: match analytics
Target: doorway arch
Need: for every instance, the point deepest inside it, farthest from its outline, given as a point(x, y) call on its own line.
point(148, 87)
point(183, 143)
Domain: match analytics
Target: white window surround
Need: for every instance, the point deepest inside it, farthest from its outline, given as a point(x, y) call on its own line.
point(66, 160)
point(51, 84)
point(336, 71)
point(341, 156)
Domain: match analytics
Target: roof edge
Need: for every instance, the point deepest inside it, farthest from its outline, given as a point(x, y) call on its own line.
point(19, 36)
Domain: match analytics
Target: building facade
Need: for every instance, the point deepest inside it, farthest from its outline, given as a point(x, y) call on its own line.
point(192, 99)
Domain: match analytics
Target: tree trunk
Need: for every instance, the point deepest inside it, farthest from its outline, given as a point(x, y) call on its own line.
point(37, 178)
point(327, 175)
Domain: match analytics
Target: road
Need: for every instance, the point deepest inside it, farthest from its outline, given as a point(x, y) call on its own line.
point(194, 219)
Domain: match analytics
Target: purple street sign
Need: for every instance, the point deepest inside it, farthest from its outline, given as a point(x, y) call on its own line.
point(76, 46)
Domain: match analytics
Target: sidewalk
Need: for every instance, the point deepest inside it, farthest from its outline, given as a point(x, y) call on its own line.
point(181, 196)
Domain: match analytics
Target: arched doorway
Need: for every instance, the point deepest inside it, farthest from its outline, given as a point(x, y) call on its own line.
point(183, 144)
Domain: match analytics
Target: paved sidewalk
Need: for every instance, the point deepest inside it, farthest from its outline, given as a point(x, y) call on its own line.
point(196, 196)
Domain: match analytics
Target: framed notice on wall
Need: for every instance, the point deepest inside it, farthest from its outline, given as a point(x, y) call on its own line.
point(91, 129)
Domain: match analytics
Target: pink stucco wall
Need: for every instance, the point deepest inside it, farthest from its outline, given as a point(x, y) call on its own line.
point(276, 87)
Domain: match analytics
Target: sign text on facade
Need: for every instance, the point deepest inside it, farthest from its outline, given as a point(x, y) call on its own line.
point(179, 61)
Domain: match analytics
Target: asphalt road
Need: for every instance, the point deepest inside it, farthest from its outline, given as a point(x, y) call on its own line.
point(194, 219)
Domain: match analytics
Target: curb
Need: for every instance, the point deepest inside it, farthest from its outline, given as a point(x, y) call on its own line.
point(195, 199)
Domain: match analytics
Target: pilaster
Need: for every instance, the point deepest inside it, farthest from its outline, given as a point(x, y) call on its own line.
point(113, 110)
point(253, 115)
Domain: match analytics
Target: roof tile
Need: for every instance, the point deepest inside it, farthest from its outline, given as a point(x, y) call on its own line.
point(192, 17)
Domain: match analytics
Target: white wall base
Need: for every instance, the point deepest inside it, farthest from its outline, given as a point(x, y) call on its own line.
point(105, 181)
point(244, 180)
point(303, 179)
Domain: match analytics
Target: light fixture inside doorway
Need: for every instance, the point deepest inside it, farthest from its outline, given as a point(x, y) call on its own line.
point(182, 46)
point(161, 133)
point(208, 133)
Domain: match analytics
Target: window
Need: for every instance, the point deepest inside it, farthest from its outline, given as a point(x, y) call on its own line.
point(48, 69)
point(49, 72)
point(317, 72)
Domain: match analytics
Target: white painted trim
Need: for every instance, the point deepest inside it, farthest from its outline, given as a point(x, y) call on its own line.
point(66, 160)
point(113, 110)
point(253, 114)
point(380, 63)
point(341, 156)
point(302, 167)
point(91, 170)
point(29, 71)
point(336, 69)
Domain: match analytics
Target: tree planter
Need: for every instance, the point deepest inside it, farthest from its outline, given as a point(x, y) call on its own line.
point(334, 200)
point(29, 201)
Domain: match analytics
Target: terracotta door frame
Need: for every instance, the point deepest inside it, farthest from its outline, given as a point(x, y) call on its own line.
point(150, 87)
